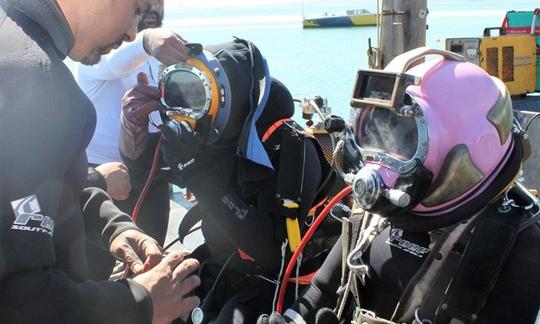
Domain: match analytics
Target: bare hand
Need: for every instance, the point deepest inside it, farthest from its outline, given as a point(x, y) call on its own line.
point(117, 179)
point(138, 250)
point(166, 46)
point(168, 284)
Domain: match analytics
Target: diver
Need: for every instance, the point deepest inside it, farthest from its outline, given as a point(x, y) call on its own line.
point(228, 137)
point(442, 231)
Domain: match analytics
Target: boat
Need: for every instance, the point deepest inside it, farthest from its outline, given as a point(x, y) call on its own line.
point(355, 17)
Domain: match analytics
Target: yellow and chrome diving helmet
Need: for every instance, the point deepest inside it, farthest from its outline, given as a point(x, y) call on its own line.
point(197, 91)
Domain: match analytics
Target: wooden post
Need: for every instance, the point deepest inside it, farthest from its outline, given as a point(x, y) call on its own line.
point(386, 42)
point(415, 34)
point(403, 24)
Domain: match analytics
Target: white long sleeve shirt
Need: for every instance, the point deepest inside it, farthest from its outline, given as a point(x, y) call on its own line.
point(105, 84)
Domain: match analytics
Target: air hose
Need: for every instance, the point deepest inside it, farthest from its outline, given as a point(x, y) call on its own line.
point(144, 192)
point(292, 262)
point(148, 182)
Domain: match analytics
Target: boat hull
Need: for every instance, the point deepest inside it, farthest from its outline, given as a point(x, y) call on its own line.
point(341, 21)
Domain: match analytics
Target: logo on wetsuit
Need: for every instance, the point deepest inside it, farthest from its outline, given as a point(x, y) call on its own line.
point(236, 206)
point(396, 240)
point(28, 216)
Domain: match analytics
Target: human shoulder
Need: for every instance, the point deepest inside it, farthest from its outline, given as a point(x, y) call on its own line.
point(25, 46)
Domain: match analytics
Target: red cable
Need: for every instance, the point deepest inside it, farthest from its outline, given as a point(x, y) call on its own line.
point(305, 240)
point(146, 187)
point(142, 196)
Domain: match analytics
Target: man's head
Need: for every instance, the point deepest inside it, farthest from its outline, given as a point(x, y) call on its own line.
point(101, 25)
point(153, 17)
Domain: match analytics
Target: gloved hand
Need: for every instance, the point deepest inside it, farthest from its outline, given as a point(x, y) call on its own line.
point(180, 146)
point(140, 101)
point(324, 316)
point(274, 318)
point(137, 103)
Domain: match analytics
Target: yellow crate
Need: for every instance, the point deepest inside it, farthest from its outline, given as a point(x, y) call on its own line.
point(511, 58)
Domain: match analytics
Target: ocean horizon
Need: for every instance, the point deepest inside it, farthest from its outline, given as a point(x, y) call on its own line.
point(321, 61)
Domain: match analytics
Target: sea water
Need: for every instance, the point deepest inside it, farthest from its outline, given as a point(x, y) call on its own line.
point(321, 61)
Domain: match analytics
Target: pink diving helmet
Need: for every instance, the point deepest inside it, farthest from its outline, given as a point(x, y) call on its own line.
point(447, 116)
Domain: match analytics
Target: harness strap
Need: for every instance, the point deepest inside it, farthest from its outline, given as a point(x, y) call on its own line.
point(455, 281)
point(481, 264)
point(290, 178)
point(435, 267)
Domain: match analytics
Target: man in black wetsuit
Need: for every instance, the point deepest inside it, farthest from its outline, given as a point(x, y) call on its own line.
point(444, 233)
point(45, 213)
point(250, 167)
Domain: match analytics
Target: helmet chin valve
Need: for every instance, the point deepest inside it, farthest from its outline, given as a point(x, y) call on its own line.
point(368, 188)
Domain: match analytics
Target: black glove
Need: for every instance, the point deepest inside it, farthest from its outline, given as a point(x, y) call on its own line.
point(180, 148)
point(274, 318)
point(326, 316)
point(179, 144)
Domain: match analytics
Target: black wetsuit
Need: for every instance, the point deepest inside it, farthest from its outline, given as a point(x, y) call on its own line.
point(45, 215)
point(396, 255)
point(259, 233)
point(153, 215)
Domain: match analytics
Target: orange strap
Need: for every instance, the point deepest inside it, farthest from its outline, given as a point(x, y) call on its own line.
point(305, 279)
point(244, 256)
point(273, 128)
point(314, 208)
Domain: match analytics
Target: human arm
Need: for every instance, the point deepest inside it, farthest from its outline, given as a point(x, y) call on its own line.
point(57, 296)
point(43, 263)
point(95, 179)
point(43, 266)
point(167, 281)
point(114, 231)
point(162, 44)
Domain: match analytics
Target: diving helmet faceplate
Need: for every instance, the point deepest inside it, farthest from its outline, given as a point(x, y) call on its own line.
point(454, 120)
point(195, 89)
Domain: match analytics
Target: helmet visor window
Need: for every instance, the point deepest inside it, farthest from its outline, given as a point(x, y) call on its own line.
point(380, 130)
point(185, 90)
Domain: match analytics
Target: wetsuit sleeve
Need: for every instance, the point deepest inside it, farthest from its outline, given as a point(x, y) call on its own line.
point(103, 217)
point(321, 292)
point(95, 179)
point(117, 64)
point(32, 289)
point(49, 296)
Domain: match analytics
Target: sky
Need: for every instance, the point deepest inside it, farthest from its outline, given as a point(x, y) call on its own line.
point(224, 3)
